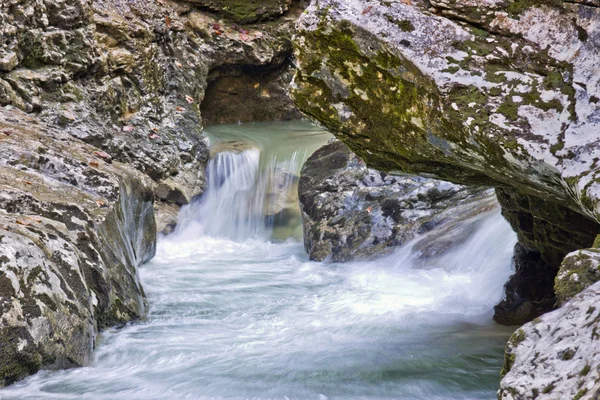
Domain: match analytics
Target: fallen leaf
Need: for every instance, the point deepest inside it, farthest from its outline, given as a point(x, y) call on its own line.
point(24, 223)
point(155, 129)
point(153, 136)
point(100, 203)
point(28, 182)
point(94, 164)
point(244, 37)
point(7, 132)
point(366, 10)
point(180, 108)
point(38, 220)
point(189, 99)
point(369, 209)
point(178, 64)
point(168, 21)
point(243, 31)
point(128, 128)
point(218, 32)
point(216, 27)
point(101, 154)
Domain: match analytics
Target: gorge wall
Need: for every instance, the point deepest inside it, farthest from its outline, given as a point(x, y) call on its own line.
point(501, 93)
point(101, 129)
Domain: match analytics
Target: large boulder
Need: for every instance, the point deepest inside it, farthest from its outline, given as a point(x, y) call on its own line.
point(74, 226)
point(350, 211)
point(476, 92)
point(556, 356)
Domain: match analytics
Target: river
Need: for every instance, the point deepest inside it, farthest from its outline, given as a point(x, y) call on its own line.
point(237, 311)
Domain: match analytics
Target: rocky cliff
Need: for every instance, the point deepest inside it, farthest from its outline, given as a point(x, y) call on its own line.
point(501, 93)
point(100, 117)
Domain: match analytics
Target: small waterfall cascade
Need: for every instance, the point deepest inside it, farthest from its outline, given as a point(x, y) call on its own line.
point(251, 186)
point(245, 198)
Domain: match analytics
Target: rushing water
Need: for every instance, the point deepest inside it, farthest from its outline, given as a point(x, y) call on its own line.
point(233, 317)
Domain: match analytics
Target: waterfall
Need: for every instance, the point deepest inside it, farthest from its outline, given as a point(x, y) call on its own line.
point(248, 193)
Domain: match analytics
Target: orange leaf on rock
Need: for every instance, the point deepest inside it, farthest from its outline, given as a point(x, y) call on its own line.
point(101, 154)
point(168, 21)
point(94, 164)
point(180, 108)
point(24, 223)
point(369, 209)
point(100, 203)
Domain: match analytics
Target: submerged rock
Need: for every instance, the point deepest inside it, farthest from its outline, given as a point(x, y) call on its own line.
point(350, 211)
point(73, 230)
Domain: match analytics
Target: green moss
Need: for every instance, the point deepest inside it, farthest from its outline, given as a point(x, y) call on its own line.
point(585, 370)
point(580, 394)
point(549, 388)
point(516, 7)
point(510, 110)
point(517, 337)
point(509, 361)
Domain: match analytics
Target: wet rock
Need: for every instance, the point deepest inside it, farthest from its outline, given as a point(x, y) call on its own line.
point(350, 211)
point(529, 293)
point(96, 68)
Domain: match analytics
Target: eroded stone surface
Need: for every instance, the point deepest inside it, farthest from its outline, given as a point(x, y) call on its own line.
point(350, 211)
point(73, 230)
point(509, 101)
point(556, 356)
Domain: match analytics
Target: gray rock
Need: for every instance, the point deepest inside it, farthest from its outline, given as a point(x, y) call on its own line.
point(350, 211)
point(73, 230)
point(556, 356)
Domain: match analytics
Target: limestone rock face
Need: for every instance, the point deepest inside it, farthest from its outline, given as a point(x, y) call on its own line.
point(484, 92)
point(350, 211)
point(129, 76)
point(556, 356)
point(73, 229)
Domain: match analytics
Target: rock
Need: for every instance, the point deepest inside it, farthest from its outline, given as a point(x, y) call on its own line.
point(529, 293)
point(545, 226)
point(246, 11)
point(73, 230)
point(556, 356)
point(578, 270)
point(8, 61)
point(350, 211)
point(506, 100)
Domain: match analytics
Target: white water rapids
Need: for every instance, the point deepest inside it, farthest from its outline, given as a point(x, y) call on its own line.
point(236, 315)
